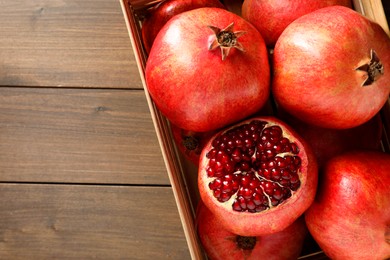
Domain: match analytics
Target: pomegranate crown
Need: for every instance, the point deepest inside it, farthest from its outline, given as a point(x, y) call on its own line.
point(226, 39)
point(374, 69)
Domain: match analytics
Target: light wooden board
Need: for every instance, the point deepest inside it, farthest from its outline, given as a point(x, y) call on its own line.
point(65, 43)
point(78, 136)
point(89, 222)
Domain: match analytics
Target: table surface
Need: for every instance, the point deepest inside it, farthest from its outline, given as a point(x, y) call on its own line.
point(81, 171)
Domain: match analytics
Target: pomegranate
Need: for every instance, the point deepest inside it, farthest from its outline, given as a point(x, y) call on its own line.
point(257, 176)
point(271, 17)
point(190, 143)
point(221, 244)
point(350, 217)
point(330, 68)
point(208, 68)
point(165, 10)
point(327, 143)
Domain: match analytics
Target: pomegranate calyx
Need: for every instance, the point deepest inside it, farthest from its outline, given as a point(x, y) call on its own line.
point(190, 143)
point(246, 243)
point(374, 69)
point(226, 39)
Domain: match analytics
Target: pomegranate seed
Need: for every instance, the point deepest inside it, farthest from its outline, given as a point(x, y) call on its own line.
point(245, 166)
point(286, 174)
point(297, 161)
point(238, 143)
point(235, 185)
point(217, 193)
point(278, 194)
point(236, 206)
point(226, 186)
point(247, 193)
point(225, 196)
point(280, 162)
point(294, 178)
point(210, 171)
point(294, 148)
point(236, 155)
point(268, 188)
point(284, 183)
point(275, 131)
point(248, 143)
point(242, 203)
point(257, 199)
point(261, 208)
point(274, 202)
point(250, 205)
point(229, 167)
point(245, 180)
point(254, 183)
point(266, 173)
point(216, 184)
point(275, 174)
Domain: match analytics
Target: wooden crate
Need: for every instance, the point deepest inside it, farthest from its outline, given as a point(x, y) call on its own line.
point(183, 175)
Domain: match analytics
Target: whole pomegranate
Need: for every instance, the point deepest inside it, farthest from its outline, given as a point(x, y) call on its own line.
point(208, 68)
point(220, 244)
point(330, 68)
point(350, 217)
point(271, 17)
point(327, 143)
point(165, 10)
point(190, 143)
point(257, 176)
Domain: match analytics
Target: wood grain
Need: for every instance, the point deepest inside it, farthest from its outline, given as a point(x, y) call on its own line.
point(78, 136)
point(89, 222)
point(65, 44)
point(81, 170)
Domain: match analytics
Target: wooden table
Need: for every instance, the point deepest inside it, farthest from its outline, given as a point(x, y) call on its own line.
point(81, 172)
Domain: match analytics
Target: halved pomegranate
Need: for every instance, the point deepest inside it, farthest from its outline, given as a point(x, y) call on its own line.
point(257, 176)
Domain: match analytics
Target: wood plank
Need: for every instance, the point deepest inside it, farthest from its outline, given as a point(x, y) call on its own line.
point(85, 222)
point(78, 136)
point(65, 44)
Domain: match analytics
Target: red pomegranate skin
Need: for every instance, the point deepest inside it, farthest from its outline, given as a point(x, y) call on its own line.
point(221, 244)
point(190, 143)
point(350, 217)
point(165, 10)
point(192, 86)
point(328, 143)
point(315, 68)
point(271, 17)
point(275, 218)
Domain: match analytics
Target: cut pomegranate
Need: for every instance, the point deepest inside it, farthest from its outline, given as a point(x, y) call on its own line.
point(257, 177)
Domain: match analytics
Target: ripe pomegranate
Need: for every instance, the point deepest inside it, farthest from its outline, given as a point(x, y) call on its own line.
point(350, 217)
point(327, 143)
point(257, 176)
point(330, 68)
point(190, 143)
point(271, 17)
point(220, 244)
point(208, 68)
point(165, 10)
